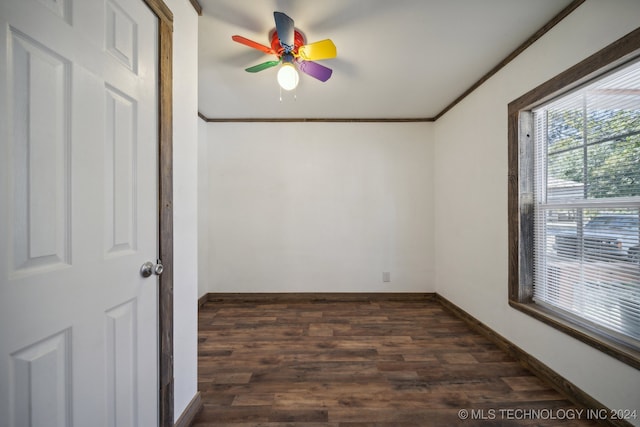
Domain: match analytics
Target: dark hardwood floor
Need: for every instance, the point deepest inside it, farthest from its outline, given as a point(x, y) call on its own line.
point(361, 363)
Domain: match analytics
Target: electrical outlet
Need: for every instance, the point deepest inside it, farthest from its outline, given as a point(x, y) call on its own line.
point(386, 276)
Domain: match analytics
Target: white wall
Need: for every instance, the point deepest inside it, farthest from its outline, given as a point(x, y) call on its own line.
point(320, 207)
point(185, 201)
point(471, 201)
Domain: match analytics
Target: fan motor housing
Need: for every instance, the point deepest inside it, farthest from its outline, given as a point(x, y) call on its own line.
point(298, 40)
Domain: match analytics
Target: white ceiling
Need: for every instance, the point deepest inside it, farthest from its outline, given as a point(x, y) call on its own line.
point(396, 58)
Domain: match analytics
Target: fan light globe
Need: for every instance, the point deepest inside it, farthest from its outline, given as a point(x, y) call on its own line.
point(288, 77)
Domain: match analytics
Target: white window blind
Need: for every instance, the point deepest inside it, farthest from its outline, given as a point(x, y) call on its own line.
point(587, 204)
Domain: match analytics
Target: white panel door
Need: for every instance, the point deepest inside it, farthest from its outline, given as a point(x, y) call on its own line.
point(78, 213)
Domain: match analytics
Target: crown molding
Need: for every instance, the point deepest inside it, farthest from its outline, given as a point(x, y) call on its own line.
point(196, 6)
point(313, 120)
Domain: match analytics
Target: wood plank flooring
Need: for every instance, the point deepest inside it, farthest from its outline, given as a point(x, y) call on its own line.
point(361, 363)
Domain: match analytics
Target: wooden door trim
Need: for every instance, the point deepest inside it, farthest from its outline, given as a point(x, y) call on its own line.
point(165, 209)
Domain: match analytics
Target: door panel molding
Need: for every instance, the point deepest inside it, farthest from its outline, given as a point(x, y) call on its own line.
point(121, 350)
point(41, 382)
point(41, 144)
point(120, 166)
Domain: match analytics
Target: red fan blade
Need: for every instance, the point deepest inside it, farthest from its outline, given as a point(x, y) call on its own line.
point(255, 45)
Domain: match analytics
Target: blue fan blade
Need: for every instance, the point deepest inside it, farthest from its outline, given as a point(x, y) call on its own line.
point(284, 27)
point(315, 70)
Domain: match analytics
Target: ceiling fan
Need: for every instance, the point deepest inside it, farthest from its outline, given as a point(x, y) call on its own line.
point(288, 45)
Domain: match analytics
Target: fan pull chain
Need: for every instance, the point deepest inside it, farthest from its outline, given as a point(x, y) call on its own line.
point(295, 94)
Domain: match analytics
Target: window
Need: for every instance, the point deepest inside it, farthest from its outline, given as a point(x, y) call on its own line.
point(586, 187)
point(574, 201)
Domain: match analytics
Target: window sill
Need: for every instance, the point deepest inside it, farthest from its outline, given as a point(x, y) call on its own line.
point(596, 339)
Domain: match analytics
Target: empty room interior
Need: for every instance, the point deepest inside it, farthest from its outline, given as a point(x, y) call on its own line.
point(294, 206)
point(414, 234)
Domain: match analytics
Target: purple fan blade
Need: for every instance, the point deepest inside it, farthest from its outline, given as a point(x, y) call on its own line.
point(316, 70)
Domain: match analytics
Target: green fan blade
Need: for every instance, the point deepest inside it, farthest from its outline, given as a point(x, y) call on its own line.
point(262, 66)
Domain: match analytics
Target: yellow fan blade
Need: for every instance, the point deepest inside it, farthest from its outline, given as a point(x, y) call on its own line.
point(324, 49)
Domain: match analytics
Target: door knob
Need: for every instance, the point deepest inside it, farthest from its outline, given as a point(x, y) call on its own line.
point(149, 268)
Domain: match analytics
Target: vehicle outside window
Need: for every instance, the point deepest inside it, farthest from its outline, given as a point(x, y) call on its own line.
point(605, 237)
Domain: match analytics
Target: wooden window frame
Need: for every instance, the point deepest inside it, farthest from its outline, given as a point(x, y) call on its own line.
point(520, 215)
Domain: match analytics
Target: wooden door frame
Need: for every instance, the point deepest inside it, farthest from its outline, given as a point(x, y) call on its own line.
point(165, 209)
